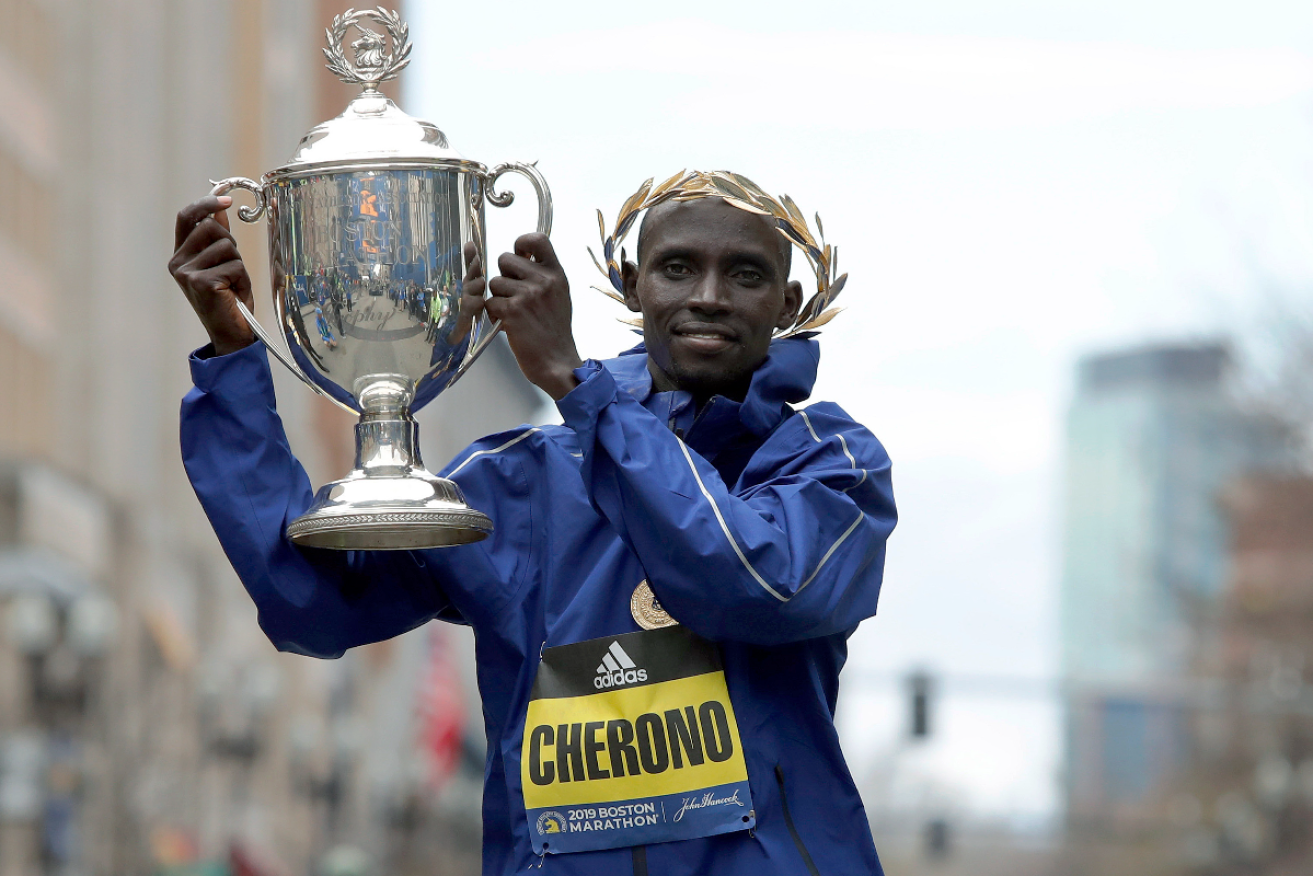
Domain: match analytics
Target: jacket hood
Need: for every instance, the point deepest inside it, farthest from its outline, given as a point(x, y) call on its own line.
point(786, 377)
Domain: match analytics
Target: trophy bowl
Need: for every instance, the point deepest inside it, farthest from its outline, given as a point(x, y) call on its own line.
point(367, 229)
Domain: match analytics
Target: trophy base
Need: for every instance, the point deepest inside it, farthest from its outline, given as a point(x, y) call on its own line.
point(373, 513)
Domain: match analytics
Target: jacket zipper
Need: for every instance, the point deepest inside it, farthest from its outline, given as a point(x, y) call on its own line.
point(793, 829)
point(640, 860)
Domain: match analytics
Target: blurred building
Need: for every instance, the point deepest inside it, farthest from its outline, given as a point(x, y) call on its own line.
point(1153, 435)
point(145, 722)
point(1248, 792)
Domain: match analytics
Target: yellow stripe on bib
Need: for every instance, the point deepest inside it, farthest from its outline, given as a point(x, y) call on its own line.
point(668, 737)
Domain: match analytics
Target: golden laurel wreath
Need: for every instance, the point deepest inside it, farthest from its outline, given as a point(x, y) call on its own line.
point(743, 193)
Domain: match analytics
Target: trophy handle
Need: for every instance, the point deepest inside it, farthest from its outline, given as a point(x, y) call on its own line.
point(505, 199)
point(253, 214)
point(246, 214)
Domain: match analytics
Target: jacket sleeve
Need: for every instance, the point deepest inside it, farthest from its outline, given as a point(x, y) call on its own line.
point(797, 555)
point(313, 602)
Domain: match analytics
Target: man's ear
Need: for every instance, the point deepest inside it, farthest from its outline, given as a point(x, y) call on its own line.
point(792, 301)
point(629, 279)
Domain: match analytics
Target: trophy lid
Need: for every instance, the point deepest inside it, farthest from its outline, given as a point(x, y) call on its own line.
point(372, 128)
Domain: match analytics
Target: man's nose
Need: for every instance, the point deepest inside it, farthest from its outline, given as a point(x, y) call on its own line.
point(711, 294)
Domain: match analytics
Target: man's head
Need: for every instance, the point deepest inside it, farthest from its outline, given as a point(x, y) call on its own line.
point(712, 284)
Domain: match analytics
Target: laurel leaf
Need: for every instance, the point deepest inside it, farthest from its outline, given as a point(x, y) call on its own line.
point(820, 228)
point(635, 199)
point(661, 198)
point(810, 309)
point(755, 194)
point(730, 189)
point(794, 212)
point(627, 224)
point(746, 207)
point(746, 183)
point(837, 287)
point(670, 183)
point(596, 263)
point(789, 231)
point(820, 320)
point(601, 224)
point(610, 293)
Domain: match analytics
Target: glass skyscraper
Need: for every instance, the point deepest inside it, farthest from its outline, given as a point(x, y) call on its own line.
point(1153, 436)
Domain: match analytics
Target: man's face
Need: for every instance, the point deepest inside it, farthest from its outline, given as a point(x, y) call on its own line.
point(712, 287)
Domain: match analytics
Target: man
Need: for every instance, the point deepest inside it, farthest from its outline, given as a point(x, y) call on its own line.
point(661, 613)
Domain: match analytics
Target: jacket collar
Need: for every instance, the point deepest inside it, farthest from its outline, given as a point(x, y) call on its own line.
point(786, 377)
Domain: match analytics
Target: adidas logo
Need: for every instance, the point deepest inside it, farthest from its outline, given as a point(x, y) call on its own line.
point(616, 669)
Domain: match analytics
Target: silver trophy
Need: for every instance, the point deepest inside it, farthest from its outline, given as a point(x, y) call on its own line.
point(367, 226)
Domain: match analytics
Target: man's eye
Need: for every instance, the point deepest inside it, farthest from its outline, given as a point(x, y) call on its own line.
point(677, 270)
point(749, 276)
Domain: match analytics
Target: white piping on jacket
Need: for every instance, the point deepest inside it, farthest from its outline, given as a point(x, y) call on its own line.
point(716, 510)
point(734, 544)
point(834, 547)
point(842, 443)
point(516, 440)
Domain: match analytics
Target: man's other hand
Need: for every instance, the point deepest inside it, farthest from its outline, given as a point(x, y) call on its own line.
point(532, 300)
point(209, 270)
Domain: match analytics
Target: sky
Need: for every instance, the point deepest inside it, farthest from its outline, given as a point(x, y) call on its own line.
point(1010, 186)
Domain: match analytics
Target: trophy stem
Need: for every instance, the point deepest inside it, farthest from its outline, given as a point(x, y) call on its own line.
point(387, 444)
point(390, 501)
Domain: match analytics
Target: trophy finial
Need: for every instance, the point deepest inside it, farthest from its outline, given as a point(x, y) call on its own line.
point(373, 64)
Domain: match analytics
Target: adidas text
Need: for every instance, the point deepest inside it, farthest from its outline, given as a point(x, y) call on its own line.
point(619, 677)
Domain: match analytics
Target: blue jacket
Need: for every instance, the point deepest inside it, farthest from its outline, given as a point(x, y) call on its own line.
point(758, 527)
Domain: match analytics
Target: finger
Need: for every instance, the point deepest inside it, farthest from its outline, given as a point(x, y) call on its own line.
point(230, 277)
point(206, 289)
point(240, 282)
point(196, 212)
point(471, 308)
point(218, 252)
point(507, 287)
point(516, 267)
point(474, 271)
point(473, 264)
point(203, 236)
point(474, 288)
point(538, 247)
point(496, 308)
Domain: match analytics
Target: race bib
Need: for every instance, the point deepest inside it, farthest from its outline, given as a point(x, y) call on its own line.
point(631, 740)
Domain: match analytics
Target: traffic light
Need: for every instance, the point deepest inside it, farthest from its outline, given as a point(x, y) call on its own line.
point(937, 839)
point(921, 687)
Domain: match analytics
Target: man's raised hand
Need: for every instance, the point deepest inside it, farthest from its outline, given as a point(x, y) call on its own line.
point(532, 300)
point(209, 270)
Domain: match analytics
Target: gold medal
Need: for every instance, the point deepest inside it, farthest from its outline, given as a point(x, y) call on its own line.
point(647, 611)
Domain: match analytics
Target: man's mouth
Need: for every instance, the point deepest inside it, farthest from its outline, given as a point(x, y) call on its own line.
point(706, 332)
point(705, 338)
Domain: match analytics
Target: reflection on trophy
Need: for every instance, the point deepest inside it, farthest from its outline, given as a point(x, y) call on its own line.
point(367, 226)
